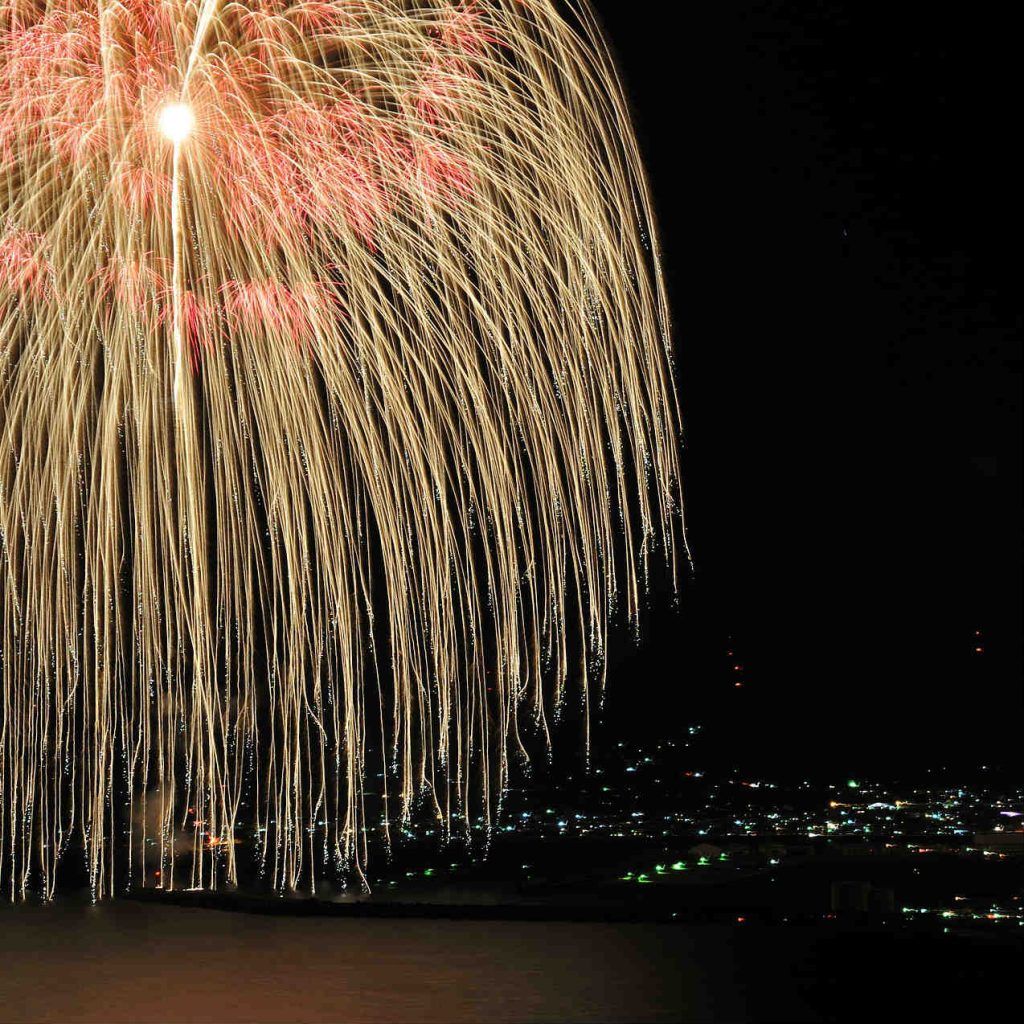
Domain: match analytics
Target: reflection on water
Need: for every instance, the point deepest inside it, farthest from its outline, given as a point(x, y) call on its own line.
point(133, 962)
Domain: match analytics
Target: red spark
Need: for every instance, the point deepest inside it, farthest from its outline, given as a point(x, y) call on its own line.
point(287, 167)
point(24, 267)
point(132, 283)
point(272, 306)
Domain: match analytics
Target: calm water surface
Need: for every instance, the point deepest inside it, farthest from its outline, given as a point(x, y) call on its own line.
point(124, 961)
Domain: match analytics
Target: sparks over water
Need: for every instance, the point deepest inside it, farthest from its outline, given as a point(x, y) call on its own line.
point(336, 413)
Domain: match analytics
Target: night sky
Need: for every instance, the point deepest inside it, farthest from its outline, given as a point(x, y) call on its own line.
point(832, 186)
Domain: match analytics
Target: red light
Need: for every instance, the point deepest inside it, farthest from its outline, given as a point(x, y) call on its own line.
point(740, 920)
point(738, 685)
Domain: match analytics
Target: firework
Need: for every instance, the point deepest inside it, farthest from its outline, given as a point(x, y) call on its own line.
point(336, 414)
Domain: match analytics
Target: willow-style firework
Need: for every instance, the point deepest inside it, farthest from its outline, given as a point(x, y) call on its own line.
point(336, 413)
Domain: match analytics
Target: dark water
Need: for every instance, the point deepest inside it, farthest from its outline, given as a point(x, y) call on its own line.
point(141, 962)
point(132, 962)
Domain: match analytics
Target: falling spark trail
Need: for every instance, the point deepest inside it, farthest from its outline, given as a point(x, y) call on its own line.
point(337, 421)
point(176, 275)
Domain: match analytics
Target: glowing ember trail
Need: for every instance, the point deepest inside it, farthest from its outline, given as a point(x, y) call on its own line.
point(336, 416)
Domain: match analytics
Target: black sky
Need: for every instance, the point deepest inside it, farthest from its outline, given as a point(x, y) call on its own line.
point(833, 183)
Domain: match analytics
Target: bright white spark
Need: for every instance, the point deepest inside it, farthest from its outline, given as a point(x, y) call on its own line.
point(176, 122)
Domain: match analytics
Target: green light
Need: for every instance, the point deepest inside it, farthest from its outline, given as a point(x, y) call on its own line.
point(723, 856)
point(643, 880)
point(660, 869)
point(852, 784)
point(680, 865)
point(429, 872)
point(703, 862)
